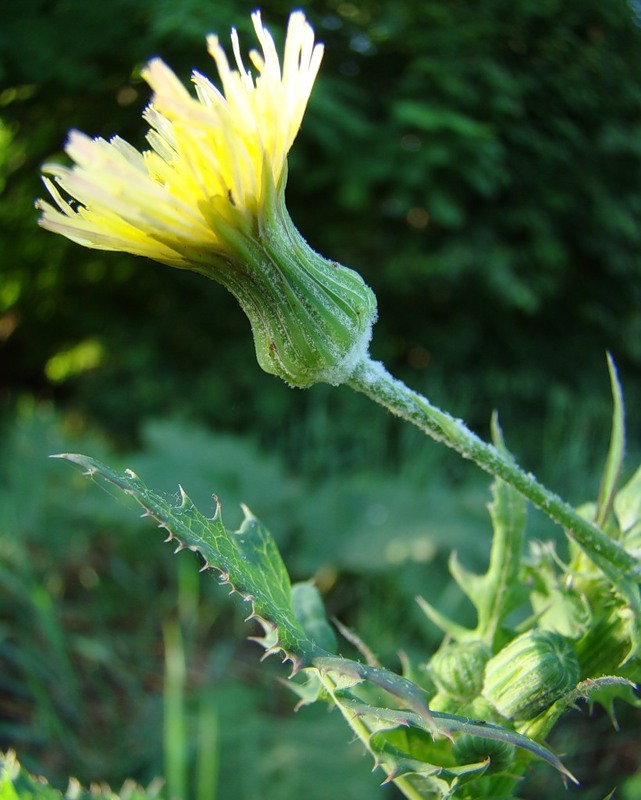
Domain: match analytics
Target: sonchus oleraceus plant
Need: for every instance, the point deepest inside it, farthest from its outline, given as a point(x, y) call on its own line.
point(209, 196)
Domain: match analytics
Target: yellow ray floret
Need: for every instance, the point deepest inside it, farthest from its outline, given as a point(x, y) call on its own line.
point(216, 150)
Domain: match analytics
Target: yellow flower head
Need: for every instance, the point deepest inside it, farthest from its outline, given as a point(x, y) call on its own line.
point(212, 157)
point(209, 196)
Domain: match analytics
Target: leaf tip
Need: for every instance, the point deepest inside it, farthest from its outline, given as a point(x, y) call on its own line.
point(76, 458)
point(183, 496)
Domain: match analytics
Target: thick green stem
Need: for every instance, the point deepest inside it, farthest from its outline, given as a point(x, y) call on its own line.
point(372, 379)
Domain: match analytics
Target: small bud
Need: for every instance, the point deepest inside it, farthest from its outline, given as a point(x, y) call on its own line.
point(458, 668)
point(472, 749)
point(530, 673)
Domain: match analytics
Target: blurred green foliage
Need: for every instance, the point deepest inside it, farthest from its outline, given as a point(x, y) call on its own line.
point(480, 164)
point(17, 784)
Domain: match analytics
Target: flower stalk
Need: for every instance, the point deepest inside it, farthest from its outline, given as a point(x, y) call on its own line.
point(372, 379)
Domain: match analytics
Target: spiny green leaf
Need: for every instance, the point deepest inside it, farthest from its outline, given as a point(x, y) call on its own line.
point(602, 690)
point(247, 559)
point(250, 563)
point(377, 720)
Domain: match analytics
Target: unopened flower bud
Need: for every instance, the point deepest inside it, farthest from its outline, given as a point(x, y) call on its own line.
point(458, 668)
point(528, 675)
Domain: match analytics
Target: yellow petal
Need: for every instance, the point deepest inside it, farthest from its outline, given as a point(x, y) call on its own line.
point(219, 146)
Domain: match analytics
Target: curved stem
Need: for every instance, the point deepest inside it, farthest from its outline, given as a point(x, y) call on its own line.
point(372, 379)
